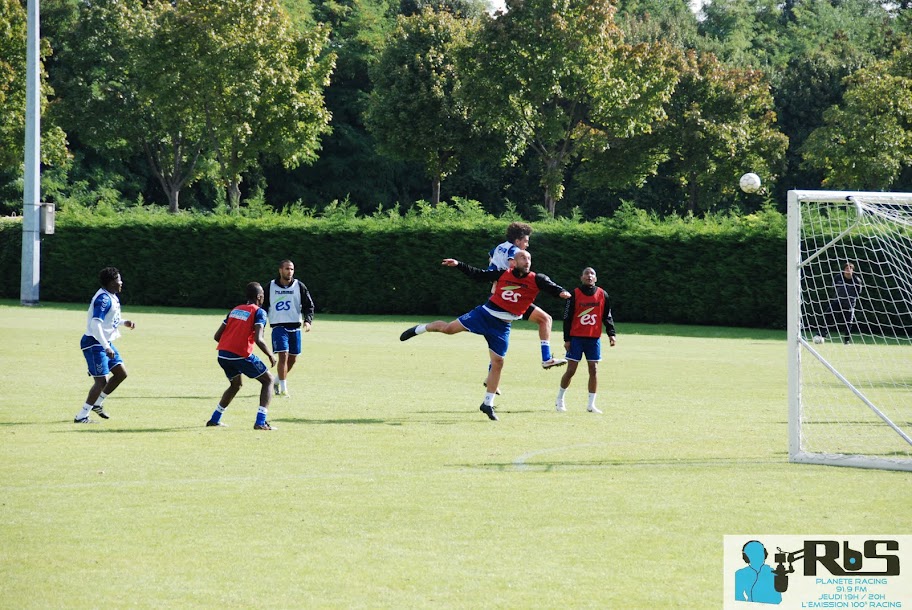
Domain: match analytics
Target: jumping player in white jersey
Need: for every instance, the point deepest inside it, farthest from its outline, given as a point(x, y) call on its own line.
point(97, 344)
point(502, 258)
point(290, 306)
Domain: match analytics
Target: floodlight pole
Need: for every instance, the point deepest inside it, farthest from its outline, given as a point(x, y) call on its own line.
point(31, 237)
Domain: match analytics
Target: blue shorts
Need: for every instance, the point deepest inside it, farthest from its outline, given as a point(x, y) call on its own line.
point(100, 364)
point(234, 365)
point(494, 330)
point(591, 347)
point(286, 340)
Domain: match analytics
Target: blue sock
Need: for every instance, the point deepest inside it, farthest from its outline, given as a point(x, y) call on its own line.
point(546, 351)
point(261, 416)
point(217, 414)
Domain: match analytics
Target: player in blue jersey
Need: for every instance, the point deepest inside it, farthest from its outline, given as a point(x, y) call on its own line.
point(290, 307)
point(97, 344)
point(501, 258)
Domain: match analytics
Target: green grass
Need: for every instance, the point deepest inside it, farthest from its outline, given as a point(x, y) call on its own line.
point(385, 487)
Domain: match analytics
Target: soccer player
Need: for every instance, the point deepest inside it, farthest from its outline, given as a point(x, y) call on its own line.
point(98, 344)
point(289, 305)
point(514, 291)
point(241, 329)
point(584, 314)
point(501, 258)
point(841, 311)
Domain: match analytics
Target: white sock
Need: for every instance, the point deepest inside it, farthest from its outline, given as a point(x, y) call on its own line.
point(421, 328)
point(86, 409)
point(282, 386)
point(591, 399)
point(489, 399)
point(560, 394)
point(100, 400)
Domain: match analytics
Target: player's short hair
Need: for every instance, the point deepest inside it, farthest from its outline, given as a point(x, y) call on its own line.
point(285, 260)
point(253, 291)
point(517, 230)
point(107, 275)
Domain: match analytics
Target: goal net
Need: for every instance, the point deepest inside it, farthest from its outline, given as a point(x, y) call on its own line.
point(850, 328)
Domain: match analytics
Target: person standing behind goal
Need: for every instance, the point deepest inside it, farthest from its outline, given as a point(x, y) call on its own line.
point(584, 314)
point(289, 305)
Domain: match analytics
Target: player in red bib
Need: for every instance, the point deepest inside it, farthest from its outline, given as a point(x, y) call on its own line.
point(241, 330)
point(514, 291)
point(584, 315)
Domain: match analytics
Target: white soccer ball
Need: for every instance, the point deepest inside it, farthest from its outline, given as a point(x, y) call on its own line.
point(818, 339)
point(750, 182)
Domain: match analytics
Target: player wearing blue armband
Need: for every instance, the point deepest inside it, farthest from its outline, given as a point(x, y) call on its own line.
point(242, 328)
point(290, 307)
point(98, 344)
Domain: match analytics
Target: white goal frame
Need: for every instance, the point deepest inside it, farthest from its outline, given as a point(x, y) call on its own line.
point(800, 347)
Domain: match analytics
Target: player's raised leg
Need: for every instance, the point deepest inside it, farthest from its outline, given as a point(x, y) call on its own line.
point(544, 321)
point(438, 326)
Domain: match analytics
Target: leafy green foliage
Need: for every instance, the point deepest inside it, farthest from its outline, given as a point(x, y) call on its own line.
point(13, 35)
point(671, 270)
point(866, 141)
point(261, 88)
point(720, 124)
point(415, 83)
point(557, 78)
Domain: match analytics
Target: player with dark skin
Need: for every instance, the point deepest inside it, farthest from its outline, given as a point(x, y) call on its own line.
point(265, 379)
point(119, 372)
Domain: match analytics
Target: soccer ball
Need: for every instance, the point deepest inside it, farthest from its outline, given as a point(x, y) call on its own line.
point(749, 182)
point(818, 339)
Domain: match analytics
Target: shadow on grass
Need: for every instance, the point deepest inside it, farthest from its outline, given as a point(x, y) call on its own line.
point(367, 421)
point(549, 466)
point(94, 429)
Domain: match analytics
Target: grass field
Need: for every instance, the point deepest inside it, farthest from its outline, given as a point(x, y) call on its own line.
point(384, 486)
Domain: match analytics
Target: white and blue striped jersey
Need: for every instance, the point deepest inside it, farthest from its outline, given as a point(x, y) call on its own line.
point(501, 256)
point(105, 308)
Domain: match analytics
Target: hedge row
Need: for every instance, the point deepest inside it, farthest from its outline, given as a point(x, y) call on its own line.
point(689, 272)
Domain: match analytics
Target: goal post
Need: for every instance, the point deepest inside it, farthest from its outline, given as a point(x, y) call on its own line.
point(849, 286)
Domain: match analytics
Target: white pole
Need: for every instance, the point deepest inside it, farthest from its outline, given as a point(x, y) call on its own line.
point(793, 294)
point(31, 238)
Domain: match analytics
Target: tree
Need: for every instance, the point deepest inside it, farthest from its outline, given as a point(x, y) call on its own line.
point(745, 33)
point(131, 88)
point(260, 88)
point(866, 141)
point(658, 21)
point(556, 77)
point(12, 97)
point(720, 123)
point(413, 111)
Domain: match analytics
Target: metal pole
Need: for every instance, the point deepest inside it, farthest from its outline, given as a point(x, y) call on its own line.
point(31, 238)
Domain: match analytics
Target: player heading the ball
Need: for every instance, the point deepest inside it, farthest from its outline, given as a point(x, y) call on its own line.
point(514, 291)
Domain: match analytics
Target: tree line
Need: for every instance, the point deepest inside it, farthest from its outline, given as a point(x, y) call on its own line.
point(564, 107)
